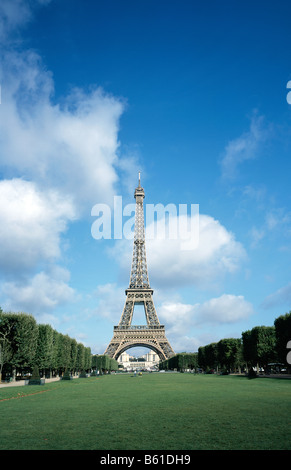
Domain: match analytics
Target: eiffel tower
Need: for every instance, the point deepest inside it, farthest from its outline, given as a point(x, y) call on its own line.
point(152, 335)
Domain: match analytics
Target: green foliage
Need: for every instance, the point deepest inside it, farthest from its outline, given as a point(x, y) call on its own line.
point(259, 345)
point(74, 352)
point(23, 334)
point(207, 356)
point(35, 373)
point(187, 361)
point(6, 351)
point(180, 362)
point(105, 363)
point(44, 350)
point(283, 335)
point(229, 353)
point(80, 360)
point(23, 344)
point(66, 375)
point(87, 358)
point(35, 377)
point(65, 351)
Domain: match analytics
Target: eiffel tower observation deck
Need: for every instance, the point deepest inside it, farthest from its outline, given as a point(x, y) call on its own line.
point(152, 334)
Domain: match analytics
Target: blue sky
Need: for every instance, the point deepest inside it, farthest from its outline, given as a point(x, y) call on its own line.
point(192, 94)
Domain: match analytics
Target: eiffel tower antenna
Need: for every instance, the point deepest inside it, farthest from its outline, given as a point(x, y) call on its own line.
point(152, 335)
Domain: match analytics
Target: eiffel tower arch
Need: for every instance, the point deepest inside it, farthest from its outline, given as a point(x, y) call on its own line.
point(152, 335)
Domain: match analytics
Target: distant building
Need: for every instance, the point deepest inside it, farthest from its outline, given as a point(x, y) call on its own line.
point(149, 361)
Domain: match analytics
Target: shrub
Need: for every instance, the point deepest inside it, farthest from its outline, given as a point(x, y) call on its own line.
point(35, 377)
point(66, 375)
point(252, 373)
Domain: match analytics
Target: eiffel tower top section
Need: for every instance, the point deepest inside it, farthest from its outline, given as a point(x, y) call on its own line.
point(139, 192)
point(139, 273)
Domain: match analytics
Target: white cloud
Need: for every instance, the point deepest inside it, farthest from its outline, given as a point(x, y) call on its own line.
point(70, 146)
point(245, 147)
point(185, 343)
point(217, 254)
point(40, 294)
point(32, 223)
point(182, 320)
point(224, 309)
point(67, 143)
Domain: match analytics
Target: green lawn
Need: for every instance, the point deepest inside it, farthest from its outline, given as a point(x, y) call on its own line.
point(158, 411)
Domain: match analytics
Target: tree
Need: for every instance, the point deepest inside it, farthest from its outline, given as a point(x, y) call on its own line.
point(94, 361)
point(211, 355)
point(74, 352)
point(44, 350)
point(56, 345)
point(259, 346)
point(80, 361)
point(266, 344)
point(22, 337)
point(113, 364)
point(283, 335)
point(65, 352)
point(87, 359)
point(202, 357)
point(105, 363)
point(5, 342)
point(182, 361)
point(248, 348)
point(25, 334)
point(229, 353)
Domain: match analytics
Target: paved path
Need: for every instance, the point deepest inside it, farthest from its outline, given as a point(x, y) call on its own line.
point(17, 383)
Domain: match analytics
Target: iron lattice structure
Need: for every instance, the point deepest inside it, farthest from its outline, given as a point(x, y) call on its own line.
point(152, 335)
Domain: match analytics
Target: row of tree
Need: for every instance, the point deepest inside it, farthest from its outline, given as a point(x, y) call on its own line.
point(181, 362)
point(104, 363)
point(25, 344)
point(257, 348)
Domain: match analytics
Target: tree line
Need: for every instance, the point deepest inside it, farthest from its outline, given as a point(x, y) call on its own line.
point(181, 362)
point(25, 344)
point(104, 363)
point(257, 348)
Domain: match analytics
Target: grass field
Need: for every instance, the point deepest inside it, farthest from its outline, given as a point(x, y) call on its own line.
point(169, 411)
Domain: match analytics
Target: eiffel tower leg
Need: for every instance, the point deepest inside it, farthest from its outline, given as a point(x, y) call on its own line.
point(127, 313)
